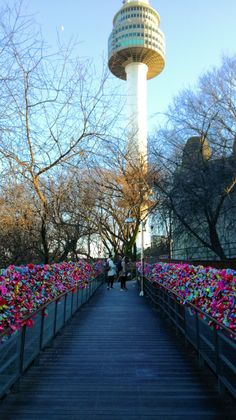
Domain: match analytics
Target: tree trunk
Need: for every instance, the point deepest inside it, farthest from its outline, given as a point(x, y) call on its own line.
point(215, 242)
point(89, 245)
point(70, 246)
point(44, 239)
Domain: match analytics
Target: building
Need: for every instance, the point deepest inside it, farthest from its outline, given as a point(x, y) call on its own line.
point(204, 197)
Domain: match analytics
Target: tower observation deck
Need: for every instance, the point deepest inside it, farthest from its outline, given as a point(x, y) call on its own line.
point(136, 53)
point(136, 37)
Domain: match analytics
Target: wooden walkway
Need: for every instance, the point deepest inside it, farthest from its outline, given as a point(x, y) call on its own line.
point(116, 359)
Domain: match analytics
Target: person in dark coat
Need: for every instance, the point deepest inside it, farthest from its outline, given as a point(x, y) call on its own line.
point(123, 274)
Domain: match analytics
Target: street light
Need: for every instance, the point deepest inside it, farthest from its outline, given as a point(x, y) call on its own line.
point(132, 220)
point(142, 262)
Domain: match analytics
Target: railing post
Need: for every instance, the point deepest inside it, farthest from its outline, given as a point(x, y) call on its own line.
point(55, 318)
point(221, 387)
point(157, 298)
point(16, 385)
point(41, 329)
point(176, 317)
point(77, 298)
point(65, 308)
point(168, 303)
point(200, 359)
point(22, 349)
point(72, 300)
point(185, 333)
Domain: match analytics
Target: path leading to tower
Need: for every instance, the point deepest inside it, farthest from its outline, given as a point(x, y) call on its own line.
point(116, 359)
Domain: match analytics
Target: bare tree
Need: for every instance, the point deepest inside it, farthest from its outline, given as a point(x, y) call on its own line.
point(208, 110)
point(71, 224)
point(122, 190)
point(19, 235)
point(53, 109)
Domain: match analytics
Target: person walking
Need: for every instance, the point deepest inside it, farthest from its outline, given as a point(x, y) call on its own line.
point(123, 274)
point(119, 265)
point(111, 273)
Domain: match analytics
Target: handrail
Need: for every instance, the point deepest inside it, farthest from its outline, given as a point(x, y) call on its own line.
point(25, 319)
point(222, 326)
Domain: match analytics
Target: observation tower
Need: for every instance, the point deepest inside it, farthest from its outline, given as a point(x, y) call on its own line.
point(136, 53)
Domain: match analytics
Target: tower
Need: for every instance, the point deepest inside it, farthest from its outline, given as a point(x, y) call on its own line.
point(136, 53)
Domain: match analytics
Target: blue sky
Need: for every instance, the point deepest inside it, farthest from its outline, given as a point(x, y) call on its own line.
point(198, 33)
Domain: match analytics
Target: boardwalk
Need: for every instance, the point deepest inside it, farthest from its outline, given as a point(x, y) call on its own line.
point(115, 360)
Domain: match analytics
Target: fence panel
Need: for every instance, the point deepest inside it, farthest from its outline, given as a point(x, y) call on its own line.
point(48, 327)
point(60, 314)
point(21, 348)
point(68, 306)
point(9, 362)
point(227, 362)
point(32, 341)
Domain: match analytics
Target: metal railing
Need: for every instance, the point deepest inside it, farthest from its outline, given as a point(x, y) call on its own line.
point(21, 348)
point(215, 343)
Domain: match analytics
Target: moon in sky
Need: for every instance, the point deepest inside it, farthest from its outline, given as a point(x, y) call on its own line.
point(62, 28)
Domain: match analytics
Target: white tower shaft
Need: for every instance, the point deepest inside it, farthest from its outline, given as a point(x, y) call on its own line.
point(137, 109)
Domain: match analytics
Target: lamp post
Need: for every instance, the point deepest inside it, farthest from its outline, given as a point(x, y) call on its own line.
point(132, 220)
point(142, 262)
